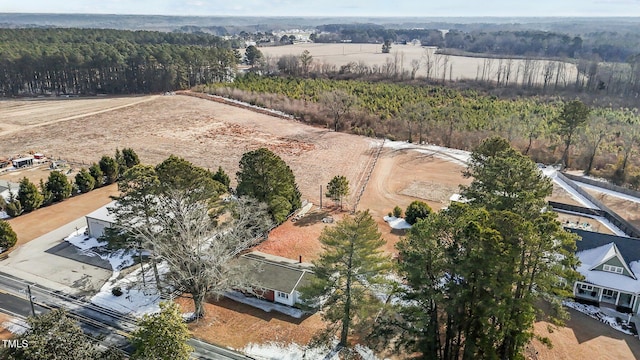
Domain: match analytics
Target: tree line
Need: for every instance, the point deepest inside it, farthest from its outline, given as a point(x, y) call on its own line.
point(58, 187)
point(93, 61)
point(604, 45)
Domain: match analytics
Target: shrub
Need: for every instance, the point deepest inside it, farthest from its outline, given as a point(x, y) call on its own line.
point(397, 211)
point(116, 291)
point(417, 210)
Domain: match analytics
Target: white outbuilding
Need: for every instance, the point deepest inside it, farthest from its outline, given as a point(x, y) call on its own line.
point(100, 220)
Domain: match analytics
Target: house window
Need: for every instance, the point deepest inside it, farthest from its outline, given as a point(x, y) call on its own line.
point(613, 269)
point(586, 287)
point(283, 295)
point(611, 294)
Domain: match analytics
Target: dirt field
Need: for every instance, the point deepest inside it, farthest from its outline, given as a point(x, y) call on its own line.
point(629, 210)
point(236, 325)
point(19, 115)
point(585, 338)
point(204, 132)
point(44, 220)
point(461, 67)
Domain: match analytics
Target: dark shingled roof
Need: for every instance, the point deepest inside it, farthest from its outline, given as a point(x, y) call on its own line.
point(629, 247)
point(277, 273)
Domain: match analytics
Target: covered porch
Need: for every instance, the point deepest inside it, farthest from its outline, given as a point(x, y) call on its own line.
point(606, 296)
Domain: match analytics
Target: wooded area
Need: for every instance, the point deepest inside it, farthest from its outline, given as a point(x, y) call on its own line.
point(92, 61)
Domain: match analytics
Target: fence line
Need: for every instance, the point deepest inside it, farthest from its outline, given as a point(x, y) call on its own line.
point(608, 214)
point(604, 185)
point(370, 171)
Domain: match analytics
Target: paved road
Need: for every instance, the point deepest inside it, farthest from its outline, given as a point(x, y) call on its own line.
point(96, 321)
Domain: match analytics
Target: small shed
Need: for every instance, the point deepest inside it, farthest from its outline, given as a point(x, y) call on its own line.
point(38, 156)
point(100, 220)
point(22, 162)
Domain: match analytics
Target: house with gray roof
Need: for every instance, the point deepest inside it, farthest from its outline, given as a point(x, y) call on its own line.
point(610, 265)
point(276, 278)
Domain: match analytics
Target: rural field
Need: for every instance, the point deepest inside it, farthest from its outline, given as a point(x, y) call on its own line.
point(459, 67)
point(212, 134)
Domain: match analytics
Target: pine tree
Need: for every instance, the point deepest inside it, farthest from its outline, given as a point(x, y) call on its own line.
point(265, 177)
point(85, 181)
point(29, 196)
point(574, 116)
point(53, 336)
point(97, 174)
point(337, 189)
point(478, 269)
point(417, 210)
point(130, 157)
point(8, 237)
point(351, 263)
point(162, 336)
point(222, 177)
point(58, 186)
point(109, 167)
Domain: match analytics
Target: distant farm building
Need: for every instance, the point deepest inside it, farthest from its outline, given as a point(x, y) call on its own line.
point(100, 220)
point(278, 279)
point(22, 162)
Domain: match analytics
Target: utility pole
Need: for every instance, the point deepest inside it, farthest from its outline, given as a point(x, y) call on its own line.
point(33, 310)
point(320, 197)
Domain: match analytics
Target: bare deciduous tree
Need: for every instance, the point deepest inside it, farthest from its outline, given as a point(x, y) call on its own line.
point(338, 104)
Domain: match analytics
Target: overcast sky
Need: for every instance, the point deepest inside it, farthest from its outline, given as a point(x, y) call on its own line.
point(508, 8)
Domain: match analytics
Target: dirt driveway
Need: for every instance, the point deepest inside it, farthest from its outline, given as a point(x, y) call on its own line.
point(586, 338)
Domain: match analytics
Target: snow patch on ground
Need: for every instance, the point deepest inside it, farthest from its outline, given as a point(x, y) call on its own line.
point(609, 192)
point(277, 351)
point(89, 246)
point(16, 326)
point(264, 305)
point(246, 104)
point(3, 215)
point(138, 296)
point(454, 155)
point(595, 313)
point(397, 223)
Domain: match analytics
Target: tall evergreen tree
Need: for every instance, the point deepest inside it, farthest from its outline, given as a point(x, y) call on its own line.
point(96, 172)
point(477, 270)
point(337, 188)
point(85, 181)
point(350, 265)
point(574, 115)
point(8, 237)
point(264, 176)
point(130, 158)
point(58, 186)
point(417, 210)
point(29, 196)
point(53, 336)
point(222, 177)
point(162, 336)
point(109, 167)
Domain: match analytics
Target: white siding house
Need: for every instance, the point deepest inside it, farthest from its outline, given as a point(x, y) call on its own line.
point(100, 220)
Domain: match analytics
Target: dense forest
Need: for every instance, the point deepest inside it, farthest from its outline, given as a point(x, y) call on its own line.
point(94, 61)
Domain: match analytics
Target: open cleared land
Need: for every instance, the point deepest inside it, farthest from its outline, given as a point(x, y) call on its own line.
point(205, 132)
point(459, 67)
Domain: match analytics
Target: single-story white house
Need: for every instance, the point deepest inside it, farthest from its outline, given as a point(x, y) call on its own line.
point(99, 220)
point(610, 265)
point(278, 279)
